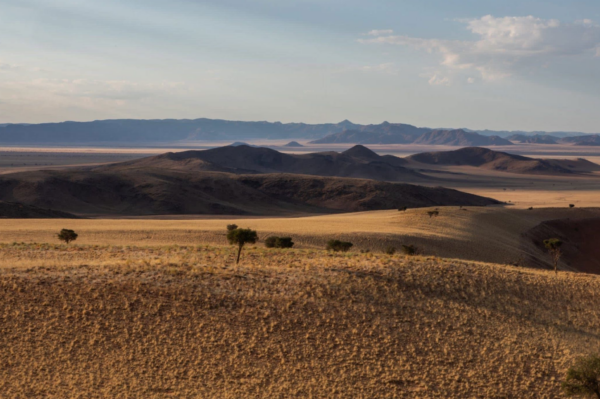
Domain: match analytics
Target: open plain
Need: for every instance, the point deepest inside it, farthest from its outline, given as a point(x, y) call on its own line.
point(154, 306)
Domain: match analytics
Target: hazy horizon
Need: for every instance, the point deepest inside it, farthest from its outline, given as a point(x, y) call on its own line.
point(511, 66)
point(307, 123)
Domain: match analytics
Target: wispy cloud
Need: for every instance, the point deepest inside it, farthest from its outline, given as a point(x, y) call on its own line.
point(379, 32)
point(505, 46)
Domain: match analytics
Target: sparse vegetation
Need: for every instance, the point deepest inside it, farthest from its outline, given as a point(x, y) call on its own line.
point(296, 323)
point(241, 237)
point(390, 250)
point(231, 227)
point(433, 213)
point(583, 379)
point(279, 242)
point(67, 236)
point(553, 246)
point(339, 246)
point(571, 205)
point(409, 250)
point(530, 208)
point(402, 209)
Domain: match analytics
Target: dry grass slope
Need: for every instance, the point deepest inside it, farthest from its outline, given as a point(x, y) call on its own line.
point(184, 322)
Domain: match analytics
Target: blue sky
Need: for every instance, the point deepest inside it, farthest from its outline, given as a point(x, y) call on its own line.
point(532, 65)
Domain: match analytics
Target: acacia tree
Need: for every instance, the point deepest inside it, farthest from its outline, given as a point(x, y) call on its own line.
point(553, 246)
point(67, 235)
point(241, 237)
point(583, 378)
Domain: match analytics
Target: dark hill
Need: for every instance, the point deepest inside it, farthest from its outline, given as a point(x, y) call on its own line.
point(459, 137)
point(495, 160)
point(358, 162)
point(293, 144)
point(14, 210)
point(159, 191)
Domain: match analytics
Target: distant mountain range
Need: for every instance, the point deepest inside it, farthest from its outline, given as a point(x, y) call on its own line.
point(535, 139)
point(502, 161)
point(406, 134)
point(132, 131)
point(583, 140)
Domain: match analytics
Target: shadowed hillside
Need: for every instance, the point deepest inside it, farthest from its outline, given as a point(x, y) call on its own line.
point(162, 191)
point(502, 161)
point(357, 162)
point(13, 210)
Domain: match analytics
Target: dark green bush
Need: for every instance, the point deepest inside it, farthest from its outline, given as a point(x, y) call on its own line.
point(409, 250)
point(339, 246)
point(583, 379)
point(232, 227)
point(390, 250)
point(67, 235)
point(279, 242)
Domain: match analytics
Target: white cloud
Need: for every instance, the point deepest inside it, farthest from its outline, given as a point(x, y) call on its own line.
point(505, 45)
point(379, 32)
point(437, 80)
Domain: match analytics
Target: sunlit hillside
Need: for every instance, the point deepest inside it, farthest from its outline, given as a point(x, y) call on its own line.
point(172, 321)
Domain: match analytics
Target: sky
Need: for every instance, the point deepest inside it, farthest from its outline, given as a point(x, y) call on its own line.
point(480, 64)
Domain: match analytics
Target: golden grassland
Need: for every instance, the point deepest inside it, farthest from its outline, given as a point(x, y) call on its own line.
point(86, 321)
point(491, 234)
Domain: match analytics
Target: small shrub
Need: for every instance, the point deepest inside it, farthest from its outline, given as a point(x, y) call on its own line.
point(271, 241)
point(232, 227)
point(433, 213)
point(409, 250)
point(285, 242)
point(402, 209)
point(339, 246)
point(67, 235)
point(571, 205)
point(279, 242)
point(583, 379)
point(390, 250)
point(530, 208)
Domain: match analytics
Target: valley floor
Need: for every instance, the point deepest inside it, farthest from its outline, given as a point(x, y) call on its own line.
point(171, 321)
